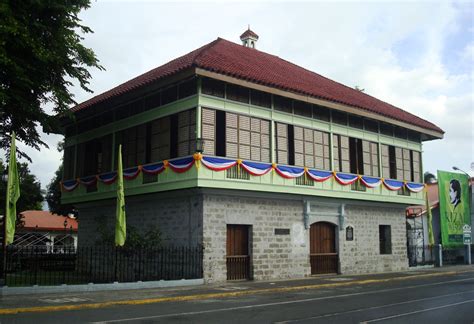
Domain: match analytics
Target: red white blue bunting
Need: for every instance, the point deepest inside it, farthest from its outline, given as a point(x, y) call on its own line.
point(345, 178)
point(289, 172)
point(393, 185)
point(131, 173)
point(70, 185)
point(371, 182)
point(155, 168)
point(181, 165)
point(415, 187)
point(217, 164)
point(319, 176)
point(87, 181)
point(107, 178)
point(256, 169)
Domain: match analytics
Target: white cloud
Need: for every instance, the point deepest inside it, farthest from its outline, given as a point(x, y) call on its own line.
point(393, 50)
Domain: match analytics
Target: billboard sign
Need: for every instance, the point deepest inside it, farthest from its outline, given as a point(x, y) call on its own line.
point(453, 207)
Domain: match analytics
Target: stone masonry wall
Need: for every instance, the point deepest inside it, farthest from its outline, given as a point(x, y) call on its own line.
point(178, 217)
point(273, 256)
point(362, 255)
point(287, 256)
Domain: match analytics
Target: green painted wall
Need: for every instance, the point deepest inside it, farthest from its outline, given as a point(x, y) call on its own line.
point(203, 177)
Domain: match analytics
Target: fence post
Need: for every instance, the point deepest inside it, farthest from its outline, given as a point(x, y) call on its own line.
point(467, 251)
point(439, 256)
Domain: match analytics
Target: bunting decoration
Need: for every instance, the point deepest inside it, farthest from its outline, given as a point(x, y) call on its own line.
point(319, 176)
point(107, 178)
point(345, 178)
point(69, 185)
point(155, 168)
point(181, 165)
point(131, 173)
point(393, 185)
point(87, 181)
point(415, 187)
point(371, 182)
point(288, 172)
point(217, 164)
point(256, 169)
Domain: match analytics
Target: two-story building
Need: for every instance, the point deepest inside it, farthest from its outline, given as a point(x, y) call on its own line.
point(278, 172)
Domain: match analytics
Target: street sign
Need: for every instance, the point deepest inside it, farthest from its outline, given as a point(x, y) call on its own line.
point(467, 239)
point(466, 229)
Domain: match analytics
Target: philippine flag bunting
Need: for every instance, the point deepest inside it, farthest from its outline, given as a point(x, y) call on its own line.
point(393, 185)
point(415, 187)
point(107, 178)
point(371, 182)
point(217, 164)
point(345, 178)
point(256, 169)
point(155, 168)
point(181, 165)
point(288, 172)
point(319, 176)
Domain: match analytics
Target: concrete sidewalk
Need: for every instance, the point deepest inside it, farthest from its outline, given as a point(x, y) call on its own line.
point(78, 300)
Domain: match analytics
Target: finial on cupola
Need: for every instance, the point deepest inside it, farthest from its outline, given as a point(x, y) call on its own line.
point(249, 38)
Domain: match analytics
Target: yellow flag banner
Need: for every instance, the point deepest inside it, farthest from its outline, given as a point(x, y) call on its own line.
point(430, 220)
point(120, 219)
point(13, 193)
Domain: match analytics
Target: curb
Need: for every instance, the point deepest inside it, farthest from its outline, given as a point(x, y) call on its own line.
point(43, 309)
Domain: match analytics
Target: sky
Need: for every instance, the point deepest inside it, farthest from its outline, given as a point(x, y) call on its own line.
point(418, 56)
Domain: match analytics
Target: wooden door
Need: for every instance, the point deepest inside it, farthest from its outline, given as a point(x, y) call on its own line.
point(323, 254)
point(238, 258)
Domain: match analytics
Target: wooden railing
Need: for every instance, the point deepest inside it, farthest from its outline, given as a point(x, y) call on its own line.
point(323, 263)
point(238, 267)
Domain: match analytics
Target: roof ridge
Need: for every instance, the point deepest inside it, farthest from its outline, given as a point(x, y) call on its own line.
point(203, 49)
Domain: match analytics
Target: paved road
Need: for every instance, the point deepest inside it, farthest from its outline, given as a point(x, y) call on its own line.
point(440, 298)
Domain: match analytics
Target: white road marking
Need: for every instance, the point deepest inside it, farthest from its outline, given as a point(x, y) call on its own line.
point(280, 303)
point(64, 300)
point(374, 307)
point(417, 312)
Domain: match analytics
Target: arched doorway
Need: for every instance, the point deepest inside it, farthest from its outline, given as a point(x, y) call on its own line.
point(323, 253)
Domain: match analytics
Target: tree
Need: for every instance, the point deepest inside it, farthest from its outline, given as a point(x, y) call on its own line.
point(53, 195)
point(31, 196)
point(41, 55)
point(429, 177)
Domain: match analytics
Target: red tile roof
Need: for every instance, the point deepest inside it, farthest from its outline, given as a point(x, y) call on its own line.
point(227, 58)
point(43, 220)
point(247, 33)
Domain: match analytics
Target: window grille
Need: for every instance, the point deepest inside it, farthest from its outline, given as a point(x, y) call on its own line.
point(236, 172)
point(304, 181)
point(385, 239)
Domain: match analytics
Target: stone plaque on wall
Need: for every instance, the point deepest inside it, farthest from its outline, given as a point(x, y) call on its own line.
point(349, 233)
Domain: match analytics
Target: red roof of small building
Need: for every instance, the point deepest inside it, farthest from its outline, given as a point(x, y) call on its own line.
point(433, 198)
point(230, 59)
point(248, 33)
point(43, 220)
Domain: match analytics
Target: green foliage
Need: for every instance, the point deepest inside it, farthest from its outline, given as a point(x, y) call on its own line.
point(429, 177)
point(53, 195)
point(31, 195)
point(152, 238)
point(41, 55)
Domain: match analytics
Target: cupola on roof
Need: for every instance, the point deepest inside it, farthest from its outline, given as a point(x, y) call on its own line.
point(249, 38)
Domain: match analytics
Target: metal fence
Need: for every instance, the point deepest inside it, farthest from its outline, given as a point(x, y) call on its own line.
point(454, 255)
point(32, 265)
point(422, 255)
